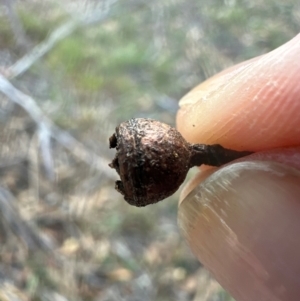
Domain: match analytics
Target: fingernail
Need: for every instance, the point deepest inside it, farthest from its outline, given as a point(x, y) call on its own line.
point(212, 85)
point(243, 224)
point(202, 92)
point(191, 98)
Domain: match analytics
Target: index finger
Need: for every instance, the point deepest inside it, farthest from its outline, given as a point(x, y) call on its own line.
point(252, 106)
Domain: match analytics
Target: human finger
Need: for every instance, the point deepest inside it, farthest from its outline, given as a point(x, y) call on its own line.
point(252, 106)
point(242, 223)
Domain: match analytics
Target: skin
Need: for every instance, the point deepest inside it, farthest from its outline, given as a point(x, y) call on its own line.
point(242, 220)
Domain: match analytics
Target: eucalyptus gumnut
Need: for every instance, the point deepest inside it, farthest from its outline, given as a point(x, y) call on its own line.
point(153, 159)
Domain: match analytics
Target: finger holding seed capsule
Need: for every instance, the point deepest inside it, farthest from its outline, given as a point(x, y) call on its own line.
point(153, 159)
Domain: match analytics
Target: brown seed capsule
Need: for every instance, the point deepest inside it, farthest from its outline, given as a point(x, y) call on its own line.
point(153, 159)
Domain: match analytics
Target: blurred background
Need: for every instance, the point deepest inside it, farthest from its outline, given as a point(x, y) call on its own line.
point(70, 72)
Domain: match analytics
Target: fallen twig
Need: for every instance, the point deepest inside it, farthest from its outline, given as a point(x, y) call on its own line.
point(9, 213)
point(56, 36)
point(47, 128)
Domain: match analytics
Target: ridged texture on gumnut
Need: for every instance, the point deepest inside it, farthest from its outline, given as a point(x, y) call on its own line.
point(152, 160)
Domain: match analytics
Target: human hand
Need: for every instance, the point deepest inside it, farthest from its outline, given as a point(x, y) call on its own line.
point(242, 221)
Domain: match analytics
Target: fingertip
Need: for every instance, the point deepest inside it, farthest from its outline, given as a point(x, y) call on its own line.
point(253, 105)
point(242, 223)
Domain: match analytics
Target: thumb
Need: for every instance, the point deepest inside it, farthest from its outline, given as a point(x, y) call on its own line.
point(242, 222)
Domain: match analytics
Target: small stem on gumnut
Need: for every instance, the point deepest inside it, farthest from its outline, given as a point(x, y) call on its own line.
point(213, 155)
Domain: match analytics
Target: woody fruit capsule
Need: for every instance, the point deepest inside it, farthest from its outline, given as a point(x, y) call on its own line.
point(153, 159)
